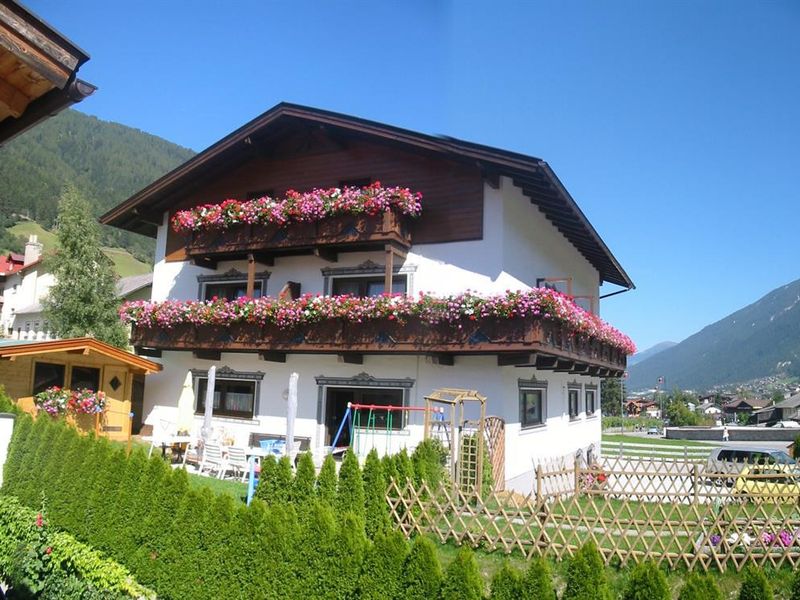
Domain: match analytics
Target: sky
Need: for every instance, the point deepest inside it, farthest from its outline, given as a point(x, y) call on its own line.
point(674, 125)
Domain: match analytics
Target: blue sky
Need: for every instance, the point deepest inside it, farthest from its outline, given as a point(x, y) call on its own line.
point(675, 126)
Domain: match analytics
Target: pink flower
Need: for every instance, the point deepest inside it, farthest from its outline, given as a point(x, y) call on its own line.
point(39, 520)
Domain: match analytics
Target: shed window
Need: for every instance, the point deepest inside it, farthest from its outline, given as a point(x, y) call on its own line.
point(85, 377)
point(47, 375)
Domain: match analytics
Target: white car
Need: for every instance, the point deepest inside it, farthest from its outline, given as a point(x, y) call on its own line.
point(782, 424)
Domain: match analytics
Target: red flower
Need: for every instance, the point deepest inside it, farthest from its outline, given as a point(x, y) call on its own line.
point(49, 550)
point(39, 520)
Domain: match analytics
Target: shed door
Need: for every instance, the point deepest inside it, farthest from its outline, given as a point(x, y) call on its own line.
point(118, 406)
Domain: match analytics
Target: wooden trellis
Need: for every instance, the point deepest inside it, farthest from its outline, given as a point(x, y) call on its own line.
point(679, 513)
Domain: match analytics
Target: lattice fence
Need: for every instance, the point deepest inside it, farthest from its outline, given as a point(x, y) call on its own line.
point(678, 513)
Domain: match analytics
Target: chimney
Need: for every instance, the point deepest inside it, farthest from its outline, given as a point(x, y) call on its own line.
point(33, 250)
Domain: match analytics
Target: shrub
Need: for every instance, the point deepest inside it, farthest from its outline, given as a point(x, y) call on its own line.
point(281, 534)
point(376, 509)
point(304, 480)
point(428, 460)
point(99, 511)
point(313, 565)
point(275, 481)
point(326, 481)
point(646, 582)
point(16, 452)
point(796, 447)
point(795, 587)
point(382, 570)
point(586, 576)
point(422, 573)
point(507, 584)
point(389, 468)
point(403, 467)
point(7, 405)
point(266, 478)
point(462, 579)
point(754, 585)
point(350, 489)
point(537, 583)
point(348, 556)
point(700, 587)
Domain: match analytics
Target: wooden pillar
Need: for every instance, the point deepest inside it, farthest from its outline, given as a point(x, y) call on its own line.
point(389, 273)
point(251, 275)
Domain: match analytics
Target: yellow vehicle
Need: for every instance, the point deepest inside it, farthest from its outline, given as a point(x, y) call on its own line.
point(769, 483)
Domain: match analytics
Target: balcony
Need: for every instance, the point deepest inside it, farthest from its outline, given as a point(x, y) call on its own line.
point(534, 342)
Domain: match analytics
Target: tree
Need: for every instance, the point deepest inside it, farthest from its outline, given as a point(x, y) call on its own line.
point(586, 577)
point(83, 300)
point(610, 397)
point(754, 585)
point(422, 574)
point(507, 584)
point(702, 587)
point(462, 579)
point(646, 582)
point(537, 584)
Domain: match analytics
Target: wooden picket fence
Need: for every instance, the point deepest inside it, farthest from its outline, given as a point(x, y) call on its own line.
point(679, 513)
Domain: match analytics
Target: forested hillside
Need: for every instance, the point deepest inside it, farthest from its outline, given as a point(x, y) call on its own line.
point(106, 161)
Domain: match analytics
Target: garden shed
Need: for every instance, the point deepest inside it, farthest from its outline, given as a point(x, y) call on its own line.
point(30, 367)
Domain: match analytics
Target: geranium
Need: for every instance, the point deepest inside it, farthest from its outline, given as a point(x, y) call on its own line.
point(534, 304)
point(53, 401)
point(86, 402)
point(299, 207)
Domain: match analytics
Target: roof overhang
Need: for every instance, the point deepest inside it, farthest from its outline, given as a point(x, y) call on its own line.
point(142, 212)
point(84, 345)
point(38, 68)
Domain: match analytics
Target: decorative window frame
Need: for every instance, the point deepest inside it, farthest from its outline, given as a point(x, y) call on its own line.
point(587, 387)
point(365, 269)
point(231, 276)
point(532, 384)
point(362, 380)
point(231, 374)
point(574, 386)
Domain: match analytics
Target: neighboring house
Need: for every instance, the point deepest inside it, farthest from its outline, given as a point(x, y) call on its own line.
point(785, 410)
point(491, 221)
point(639, 406)
point(28, 283)
point(744, 406)
point(709, 408)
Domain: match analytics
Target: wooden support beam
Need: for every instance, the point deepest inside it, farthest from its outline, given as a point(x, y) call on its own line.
point(389, 269)
point(326, 254)
point(151, 352)
point(205, 262)
point(546, 362)
point(564, 366)
point(352, 358)
point(265, 259)
point(207, 354)
point(272, 356)
point(492, 178)
point(593, 371)
point(82, 351)
point(149, 218)
point(580, 369)
point(516, 359)
point(443, 358)
point(251, 275)
point(13, 99)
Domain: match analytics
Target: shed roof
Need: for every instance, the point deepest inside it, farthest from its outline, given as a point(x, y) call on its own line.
point(12, 348)
point(142, 211)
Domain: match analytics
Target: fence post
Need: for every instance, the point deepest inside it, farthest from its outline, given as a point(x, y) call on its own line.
point(620, 449)
point(538, 484)
point(685, 452)
point(694, 482)
point(577, 476)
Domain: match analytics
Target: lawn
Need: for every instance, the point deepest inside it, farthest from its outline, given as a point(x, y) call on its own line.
point(235, 489)
point(616, 438)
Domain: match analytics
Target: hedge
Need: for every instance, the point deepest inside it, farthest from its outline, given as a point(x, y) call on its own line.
point(40, 562)
point(702, 587)
point(754, 585)
point(646, 582)
point(586, 576)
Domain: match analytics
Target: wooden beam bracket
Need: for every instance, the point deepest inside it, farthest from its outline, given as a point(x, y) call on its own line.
point(352, 358)
point(272, 356)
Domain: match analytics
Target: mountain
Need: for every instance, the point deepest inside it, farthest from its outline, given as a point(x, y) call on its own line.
point(106, 161)
point(652, 351)
point(759, 340)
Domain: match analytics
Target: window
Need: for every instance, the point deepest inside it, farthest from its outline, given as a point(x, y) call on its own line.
point(338, 398)
point(531, 406)
point(366, 286)
point(232, 397)
point(47, 375)
point(574, 402)
point(229, 290)
point(590, 395)
point(85, 377)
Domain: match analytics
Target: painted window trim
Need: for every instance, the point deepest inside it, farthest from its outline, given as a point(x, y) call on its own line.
point(365, 269)
point(231, 374)
point(575, 387)
point(230, 276)
point(362, 380)
point(532, 384)
point(586, 389)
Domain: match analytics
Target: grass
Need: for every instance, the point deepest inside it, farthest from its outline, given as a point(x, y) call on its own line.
point(236, 489)
point(616, 438)
point(124, 263)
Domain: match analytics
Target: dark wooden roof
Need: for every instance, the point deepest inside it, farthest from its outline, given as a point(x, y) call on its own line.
point(142, 212)
point(38, 68)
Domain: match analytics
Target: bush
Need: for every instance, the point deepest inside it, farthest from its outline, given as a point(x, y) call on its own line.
point(428, 462)
point(795, 588)
point(326, 481)
point(700, 587)
point(422, 573)
point(462, 579)
point(646, 582)
point(537, 584)
point(754, 585)
point(382, 571)
point(376, 509)
point(507, 584)
point(304, 480)
point(350, 489)
point(586, 576)
point(16, 453)
point(796, 447)
point(403, 467)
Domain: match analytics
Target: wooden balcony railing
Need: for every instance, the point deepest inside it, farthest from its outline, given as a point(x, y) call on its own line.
point(514, 341)
point(326, 237)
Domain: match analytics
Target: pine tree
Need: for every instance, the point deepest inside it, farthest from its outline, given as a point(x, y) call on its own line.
point(16, 453)
point(462, 579)
point(703, 587)
point(266, 478)
point(586, 577)
point(382, 571)
point(326, 481)
point(83, 301)
point(304, 480)
point(422, 573)
point(537, 584)
point(376, 509)
point(646, 582)
point(507, 584)
point(403, 467)
point(350, 489)
point(754, 585)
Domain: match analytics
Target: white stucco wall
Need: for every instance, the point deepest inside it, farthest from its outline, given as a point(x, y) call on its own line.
point(23, 290)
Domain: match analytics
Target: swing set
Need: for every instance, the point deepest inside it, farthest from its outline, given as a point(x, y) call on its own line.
point(369, 426)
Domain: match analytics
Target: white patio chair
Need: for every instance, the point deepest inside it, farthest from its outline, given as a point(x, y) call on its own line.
point(162, 432)
point(193, 453)
point(212, 460)
point(237, 462)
